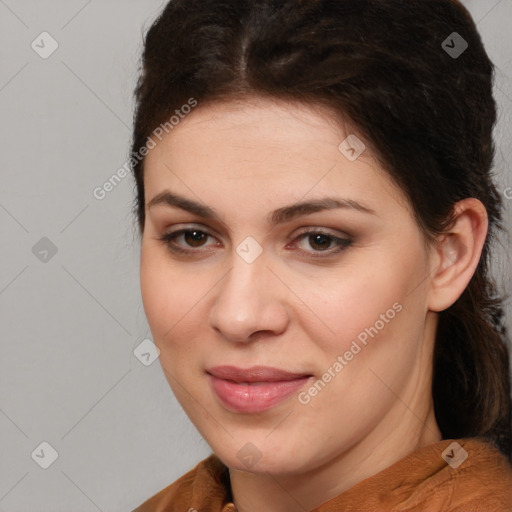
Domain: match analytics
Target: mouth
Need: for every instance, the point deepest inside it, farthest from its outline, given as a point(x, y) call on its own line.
point(254, 389)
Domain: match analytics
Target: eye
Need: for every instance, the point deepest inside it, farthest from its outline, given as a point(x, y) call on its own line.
point(321, 241)
point(193, 237)
point(196, 238)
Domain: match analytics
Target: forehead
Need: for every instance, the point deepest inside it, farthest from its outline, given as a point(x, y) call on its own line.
point(267, 148)
point(258, 122)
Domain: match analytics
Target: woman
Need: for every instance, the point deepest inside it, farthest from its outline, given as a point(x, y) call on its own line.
point(316, 209)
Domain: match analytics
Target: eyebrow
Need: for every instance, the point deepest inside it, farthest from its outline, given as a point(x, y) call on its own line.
point(279, 216)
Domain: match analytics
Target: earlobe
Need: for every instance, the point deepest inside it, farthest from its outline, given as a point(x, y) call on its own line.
point(458, 254)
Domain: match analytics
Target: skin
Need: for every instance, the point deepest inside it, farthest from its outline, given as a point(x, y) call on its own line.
point(291, 310)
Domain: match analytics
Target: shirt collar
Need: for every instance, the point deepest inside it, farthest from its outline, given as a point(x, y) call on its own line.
point(425, 480)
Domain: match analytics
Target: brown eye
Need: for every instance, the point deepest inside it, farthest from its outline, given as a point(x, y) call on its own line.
point(321, 243)
point(194, 238)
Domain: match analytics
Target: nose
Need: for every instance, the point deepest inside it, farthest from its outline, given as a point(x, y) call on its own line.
point(250, 301)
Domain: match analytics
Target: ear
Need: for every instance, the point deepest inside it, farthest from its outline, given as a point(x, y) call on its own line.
point(457, 253)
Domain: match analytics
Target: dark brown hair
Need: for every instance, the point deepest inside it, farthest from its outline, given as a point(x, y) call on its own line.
point(427, 114)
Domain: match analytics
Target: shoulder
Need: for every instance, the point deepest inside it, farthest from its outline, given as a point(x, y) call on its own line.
point(452, 475)
point(483, 482)
point(476, 477)
point(205, 487)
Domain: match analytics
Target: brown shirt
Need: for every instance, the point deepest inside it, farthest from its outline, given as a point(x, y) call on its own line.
point(423, 481)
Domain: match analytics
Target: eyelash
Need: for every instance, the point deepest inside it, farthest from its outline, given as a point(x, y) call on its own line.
point(342, 243)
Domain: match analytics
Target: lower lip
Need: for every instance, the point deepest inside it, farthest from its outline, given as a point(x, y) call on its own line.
point(254, 397)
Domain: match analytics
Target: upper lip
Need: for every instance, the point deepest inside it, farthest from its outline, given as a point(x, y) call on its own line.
point(254, 374)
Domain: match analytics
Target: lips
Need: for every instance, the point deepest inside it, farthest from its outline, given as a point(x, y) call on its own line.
point(254, 374)
point(254, 389)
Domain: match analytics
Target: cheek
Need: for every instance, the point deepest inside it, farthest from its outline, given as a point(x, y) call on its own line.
point(163, 291)
point(375, 302)
point(153, 288)
point(354, 312)
point(173, 297)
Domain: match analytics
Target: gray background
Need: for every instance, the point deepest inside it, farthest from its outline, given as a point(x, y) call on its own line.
point(70, 324)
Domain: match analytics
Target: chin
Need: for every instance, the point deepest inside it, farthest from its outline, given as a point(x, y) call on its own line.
point(253, 460)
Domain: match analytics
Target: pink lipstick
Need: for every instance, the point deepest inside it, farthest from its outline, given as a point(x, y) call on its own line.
point(254, 389)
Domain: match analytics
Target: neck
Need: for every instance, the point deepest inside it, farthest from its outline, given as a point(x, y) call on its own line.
point(300, 492)
point(408, 426)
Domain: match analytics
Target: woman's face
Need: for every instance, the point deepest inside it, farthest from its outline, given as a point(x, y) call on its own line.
point(336, 296)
